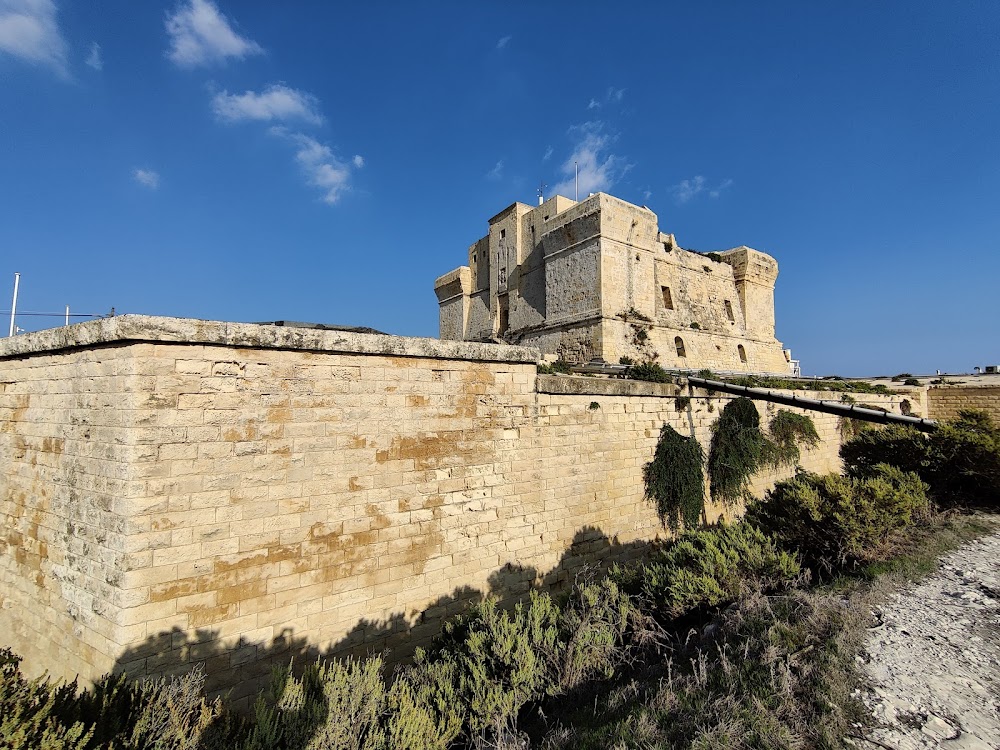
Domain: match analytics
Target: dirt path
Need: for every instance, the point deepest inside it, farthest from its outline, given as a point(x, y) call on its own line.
point(934, 661)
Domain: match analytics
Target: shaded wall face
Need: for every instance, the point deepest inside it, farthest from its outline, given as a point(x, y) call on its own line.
point(276, 503)
point(66, 455)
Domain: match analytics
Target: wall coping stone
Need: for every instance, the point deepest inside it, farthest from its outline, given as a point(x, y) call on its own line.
point(575, 385)
point(156, 329)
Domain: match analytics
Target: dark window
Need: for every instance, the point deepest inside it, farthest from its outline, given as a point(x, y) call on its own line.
point(729, 312)
point(743, 353)
point(668, 301)
point(503, 233)
point(679, 343)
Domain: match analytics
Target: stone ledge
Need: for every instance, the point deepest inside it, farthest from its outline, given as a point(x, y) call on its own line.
point(570, 385)
point(147, 328)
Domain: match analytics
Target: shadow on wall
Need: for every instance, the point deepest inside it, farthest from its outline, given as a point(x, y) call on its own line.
point(241, 670)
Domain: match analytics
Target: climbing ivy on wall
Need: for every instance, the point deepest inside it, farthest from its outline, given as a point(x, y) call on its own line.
point(675, 480)
point(740, 447)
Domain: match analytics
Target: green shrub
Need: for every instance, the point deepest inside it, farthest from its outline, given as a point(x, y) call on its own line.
point(964, 461)
point(837, 522)
point(502, 659)
point(898, 445)
point(593, 624)
point(559, 367)
point(911, 381)
point(36, 713)
point(738, 449)
point(649, 371)
point(960, 461)
point(674, 479)
point(787, 431)
point(709, 567)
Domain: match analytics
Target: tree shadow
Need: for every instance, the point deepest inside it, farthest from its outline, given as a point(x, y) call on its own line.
point(241, 670)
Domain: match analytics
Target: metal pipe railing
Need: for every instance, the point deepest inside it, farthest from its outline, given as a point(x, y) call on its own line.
point(828, 407)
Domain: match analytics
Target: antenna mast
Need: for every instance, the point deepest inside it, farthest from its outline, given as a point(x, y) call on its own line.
point(541, 192)
point(13, 306)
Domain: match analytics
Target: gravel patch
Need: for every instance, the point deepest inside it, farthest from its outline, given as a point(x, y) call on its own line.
point(933, 657)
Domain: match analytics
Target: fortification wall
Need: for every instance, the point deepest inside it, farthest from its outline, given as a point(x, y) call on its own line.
point(232, 495)
point(946, 401)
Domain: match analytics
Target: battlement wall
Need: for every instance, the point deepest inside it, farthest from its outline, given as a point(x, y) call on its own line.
point(188, 492)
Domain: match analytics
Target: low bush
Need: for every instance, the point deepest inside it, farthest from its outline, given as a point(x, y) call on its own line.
point(836, 522)
point(775, 673)
point(911, 381)
point(707, 568)
point(960, 461)
point(649, 371)
point(559, 367)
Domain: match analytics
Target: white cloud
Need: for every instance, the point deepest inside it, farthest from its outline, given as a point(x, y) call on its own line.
point(714, 193)
point(29, 30)
point(503, 41)
point(201, 35)
point(322, 169)
point(94, 59)
point(685, 190)
point(548, 154)
point(359, 161)
point(147, 178)
point(594, 104)
point(599, 170)
point(277, 102)
point(497, 172)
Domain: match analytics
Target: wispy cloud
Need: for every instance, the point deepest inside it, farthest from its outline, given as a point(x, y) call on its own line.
point(359, 161)
point(201, 35)
point(497, 172)
point(94, 59)
point(548, 154)
point(317, 161)
point(686, 190)
point(29, 30)
point(275, 103)
point(612, 96)
point(147, 178)
point(503, 41)
point(599, 169)
point(716, 191)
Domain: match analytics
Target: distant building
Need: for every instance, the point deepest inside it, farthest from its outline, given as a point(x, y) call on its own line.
point(598, 280)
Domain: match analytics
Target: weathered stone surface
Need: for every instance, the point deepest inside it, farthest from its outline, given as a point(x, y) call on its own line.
point(169, 499)
point(598, 279)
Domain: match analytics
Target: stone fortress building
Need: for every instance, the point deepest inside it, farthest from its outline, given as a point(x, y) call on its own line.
point(597, 279)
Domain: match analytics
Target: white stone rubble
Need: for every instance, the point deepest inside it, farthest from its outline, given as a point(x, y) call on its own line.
point(933, 657)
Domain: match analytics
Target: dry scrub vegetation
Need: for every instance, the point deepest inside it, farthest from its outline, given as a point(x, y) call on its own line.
point(730, 636)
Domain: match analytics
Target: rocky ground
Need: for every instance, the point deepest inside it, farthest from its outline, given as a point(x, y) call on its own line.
point(933, 658)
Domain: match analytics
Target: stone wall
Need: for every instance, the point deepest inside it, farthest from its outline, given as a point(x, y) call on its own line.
point(945, 402)
point(182, 492)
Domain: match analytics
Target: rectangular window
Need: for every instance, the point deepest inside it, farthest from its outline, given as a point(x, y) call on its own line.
point(668, 301)
point(729, 311)
point(503, 233)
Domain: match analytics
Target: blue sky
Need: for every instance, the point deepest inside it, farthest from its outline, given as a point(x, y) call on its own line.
point(325, 162)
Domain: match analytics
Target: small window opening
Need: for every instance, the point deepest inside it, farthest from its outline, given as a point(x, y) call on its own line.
point(503, 233)
point(743, 353)
point(668, 301)
point(729, 311)
point(679, 343)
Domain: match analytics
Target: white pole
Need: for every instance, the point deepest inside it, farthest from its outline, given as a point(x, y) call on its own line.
point(67, 314)
point(13, 306)
point(576, 164)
